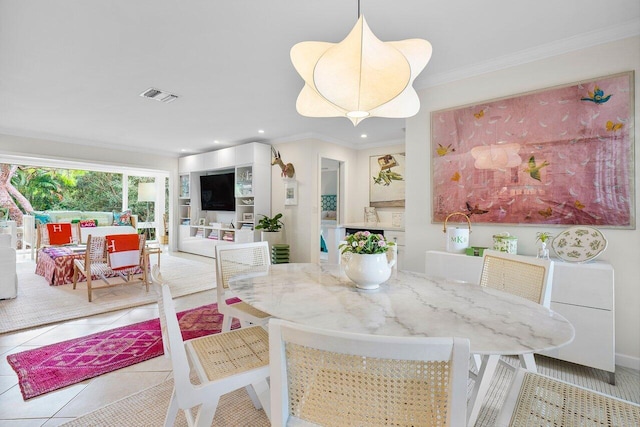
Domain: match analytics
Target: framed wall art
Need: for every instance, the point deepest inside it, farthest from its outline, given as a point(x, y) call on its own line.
point(558, 156)
point(290, 192)
point(387, 186)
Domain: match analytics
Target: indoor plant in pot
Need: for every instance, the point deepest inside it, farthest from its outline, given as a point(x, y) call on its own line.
point(368, 265)
point(271, 229)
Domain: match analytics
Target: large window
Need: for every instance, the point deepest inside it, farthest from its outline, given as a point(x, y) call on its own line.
point(50, 188)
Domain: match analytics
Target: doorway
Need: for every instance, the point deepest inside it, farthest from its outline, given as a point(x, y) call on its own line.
point(331, 187)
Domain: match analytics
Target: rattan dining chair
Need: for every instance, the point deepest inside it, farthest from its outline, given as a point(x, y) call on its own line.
point(523, 276)
point(526, 277)
point(332, 378)
point(535, 399)
point(234, 260)
point(520, 275)
point(223, 362)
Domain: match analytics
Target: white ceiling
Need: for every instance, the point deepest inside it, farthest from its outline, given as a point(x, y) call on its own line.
point(72, 70)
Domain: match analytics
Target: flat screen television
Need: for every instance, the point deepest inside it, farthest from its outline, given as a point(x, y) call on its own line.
point(216, 192)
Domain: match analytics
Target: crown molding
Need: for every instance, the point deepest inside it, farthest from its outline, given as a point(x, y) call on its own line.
point(559, 47)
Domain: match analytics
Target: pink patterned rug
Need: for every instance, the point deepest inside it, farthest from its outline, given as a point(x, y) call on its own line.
point(58, 365)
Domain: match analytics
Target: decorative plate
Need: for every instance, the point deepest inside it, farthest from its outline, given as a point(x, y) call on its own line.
point(579, 244)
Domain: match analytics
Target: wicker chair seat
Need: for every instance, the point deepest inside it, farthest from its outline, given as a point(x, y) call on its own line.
point(225, 355)
point(100, 269)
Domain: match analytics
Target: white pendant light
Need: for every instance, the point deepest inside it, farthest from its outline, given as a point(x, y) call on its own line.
point(360, 77)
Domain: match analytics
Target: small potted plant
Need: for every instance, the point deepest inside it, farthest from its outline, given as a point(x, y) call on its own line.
point(270, 224)
point(271, 229)
point(543, 237)
point(368, 265)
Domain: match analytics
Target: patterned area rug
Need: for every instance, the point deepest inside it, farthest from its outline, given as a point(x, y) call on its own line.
point(58, 365)
point(39, 304)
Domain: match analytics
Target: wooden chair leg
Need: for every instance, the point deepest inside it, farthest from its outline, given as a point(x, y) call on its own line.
point(89, 285)
point(75, 276)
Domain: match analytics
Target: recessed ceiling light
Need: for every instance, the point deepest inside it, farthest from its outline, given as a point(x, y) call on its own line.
point(184, 150)
point(260, 131)
point(364, 135)
point(216, 142)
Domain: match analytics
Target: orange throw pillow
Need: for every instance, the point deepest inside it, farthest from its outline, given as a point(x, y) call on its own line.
point(59, 234)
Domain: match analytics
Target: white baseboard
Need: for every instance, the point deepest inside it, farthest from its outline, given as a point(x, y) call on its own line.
point(628, 361)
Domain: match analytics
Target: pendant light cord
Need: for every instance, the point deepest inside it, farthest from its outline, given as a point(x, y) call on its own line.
point(358, 9)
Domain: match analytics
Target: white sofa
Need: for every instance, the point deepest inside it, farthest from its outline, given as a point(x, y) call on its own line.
point(9, 276)
point(105, 222)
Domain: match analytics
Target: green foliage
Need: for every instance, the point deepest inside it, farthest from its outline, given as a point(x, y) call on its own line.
point(97, 191)
point(42, 187)
point(543, 236)
point(270, 224)
point(365, 242)
point(62, 189)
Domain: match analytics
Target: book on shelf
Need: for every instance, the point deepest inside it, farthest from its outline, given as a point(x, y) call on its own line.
point(246, 226)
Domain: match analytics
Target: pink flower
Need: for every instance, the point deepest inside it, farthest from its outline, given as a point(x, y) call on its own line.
point(381, 243)
point(361, 243)
point(366, 234)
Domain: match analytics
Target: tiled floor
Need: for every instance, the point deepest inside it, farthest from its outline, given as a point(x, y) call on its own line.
point(55, 408)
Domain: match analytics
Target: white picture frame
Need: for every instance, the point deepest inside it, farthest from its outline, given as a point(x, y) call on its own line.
point(291, 193)
point(247, 216)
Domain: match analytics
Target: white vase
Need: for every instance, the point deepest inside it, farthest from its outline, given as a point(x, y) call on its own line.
point(368, 271)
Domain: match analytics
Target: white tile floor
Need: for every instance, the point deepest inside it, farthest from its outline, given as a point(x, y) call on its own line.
point(58, 407)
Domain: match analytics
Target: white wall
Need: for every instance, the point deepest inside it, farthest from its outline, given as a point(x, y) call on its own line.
point(329, 184)
point(623, 251)
point(302, 222)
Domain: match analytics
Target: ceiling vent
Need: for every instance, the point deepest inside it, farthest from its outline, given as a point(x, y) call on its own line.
point(159, 95)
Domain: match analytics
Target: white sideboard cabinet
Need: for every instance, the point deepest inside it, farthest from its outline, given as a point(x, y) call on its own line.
point(582, 293)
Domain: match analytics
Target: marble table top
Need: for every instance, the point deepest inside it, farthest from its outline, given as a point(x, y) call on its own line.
point(408, 304)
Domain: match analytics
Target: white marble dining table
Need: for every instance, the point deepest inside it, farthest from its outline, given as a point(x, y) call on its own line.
point(408, 304)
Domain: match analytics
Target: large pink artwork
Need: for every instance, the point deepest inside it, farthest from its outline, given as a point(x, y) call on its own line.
point(558, 156)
